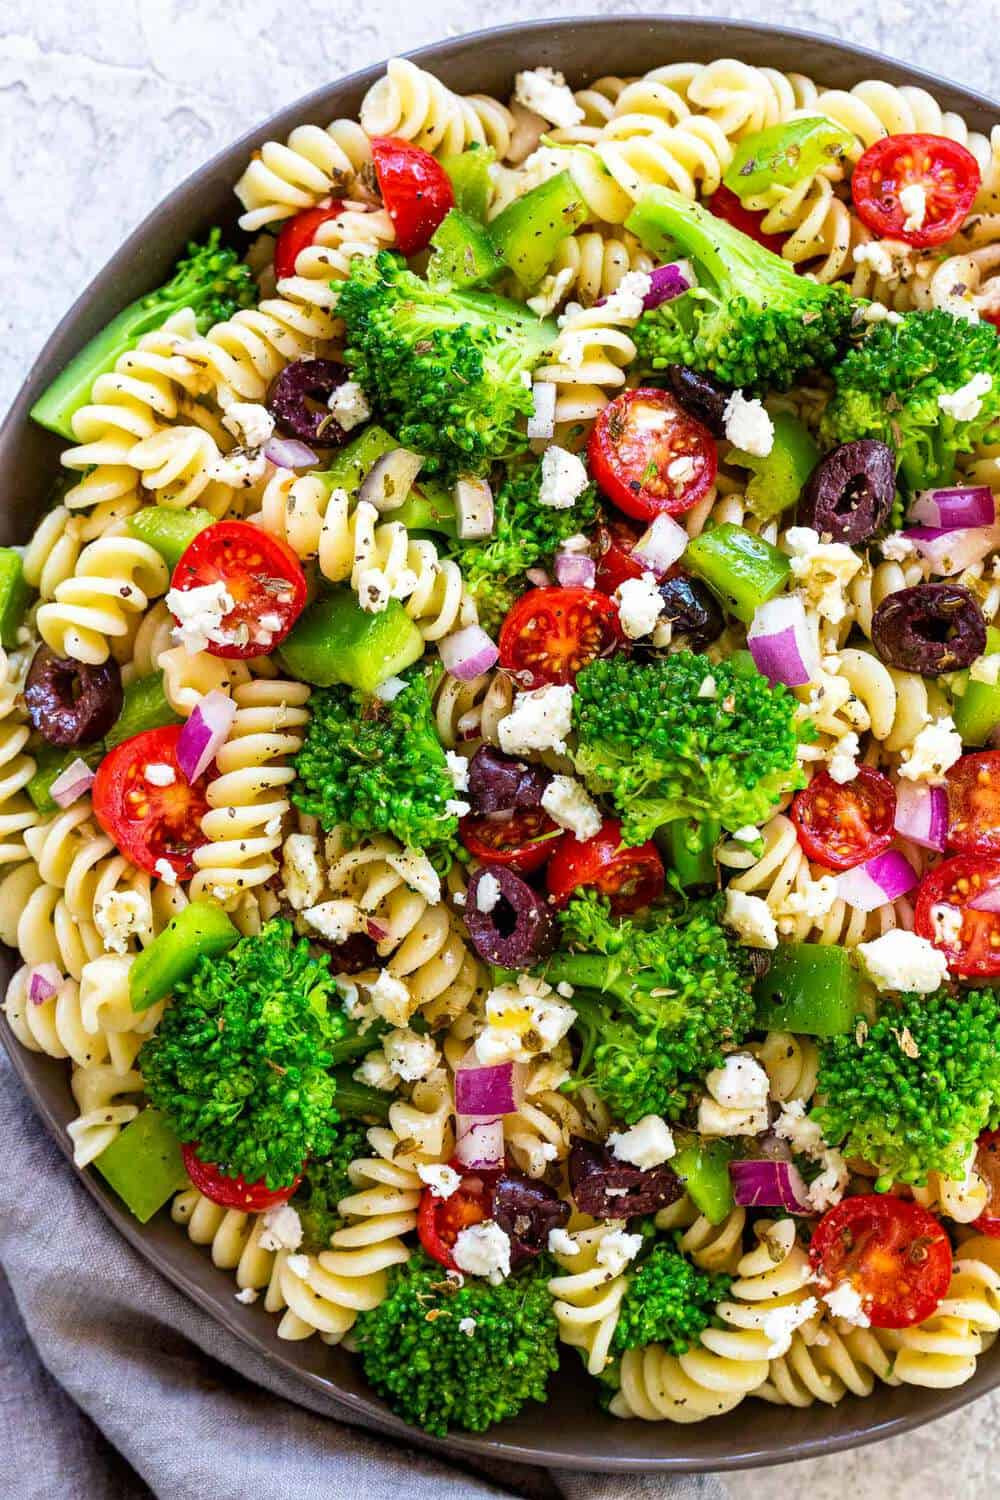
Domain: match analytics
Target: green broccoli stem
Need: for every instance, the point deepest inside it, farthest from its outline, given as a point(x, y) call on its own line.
point(587, 971)
point(356, 1101)
point(355, 1044)
point(664, 217)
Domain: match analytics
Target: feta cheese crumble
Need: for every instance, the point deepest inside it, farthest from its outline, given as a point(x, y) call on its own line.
point(822, 569)
point(539, 720)
point(545, 92)
point(483, 1250)
point(376, 1073)
point(251, 425)
point(391, 998)
point(487, 892)
point(934, 751)
point(247, 1296)
point(842, 762)
point(748, 426)
point(736, 1103)
point(165, 871)
point(120, 916)
point(334, 920)
point(301, 871)
point(571, 806)
point(845, 1299)
point(640, 605)
point(282, 1229)
point(349, 405)
point(780, 1323)
point(199, 613)
point(648, 1144)
point(522, 1019)
point(561, 1242)
point(751, 919)
point(913, 201)
point(616, 1249)
point(159, 774)
point(903, 961)
point(946, 922)
point(564, 478)
point(442, 1180)
point(966, 403)
point(467, 1326)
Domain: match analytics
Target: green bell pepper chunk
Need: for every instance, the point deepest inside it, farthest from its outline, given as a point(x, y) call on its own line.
point(530, 230)
point(335, 640)
point(743, 569)
point(470, 180)
point(810, 988)
point(201, 930)
point(145, 707)
point(464, 255)
point(15, 595)
point(977, 703)
point(429, 505)
point(144, 1164)
point(778, 479)
point(170, 531)
point(703, 1167)
point(785, 155)
point(689, 844)
point(50, 762)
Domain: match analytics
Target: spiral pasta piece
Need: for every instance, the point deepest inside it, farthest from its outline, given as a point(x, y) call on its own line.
point(114, 579)
point(467, 713)
point(588, 1298)
point(359, 229)
point(414, 105)
point(588, 361)
point(285, 177)
point(791, 1064)
point(232, 1236)
point(98, 1090)
point(874, 109)
point(641, 152)
point(714, 1247)
point(826, 1367)
point(591, 263)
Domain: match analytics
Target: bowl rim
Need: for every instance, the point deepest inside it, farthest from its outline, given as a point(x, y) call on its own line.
point(38, 1074)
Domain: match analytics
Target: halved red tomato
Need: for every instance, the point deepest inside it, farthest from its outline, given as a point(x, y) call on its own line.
point(521, 842)
point(151, 821)
point(840, 826)
point(416, 190)
point(973, 787)
point(650, 456)
point(441, 1220)
point(260, 574)
point(968, 937)
point(630, 878)
point(947, 173)
point(298, 233)
point(987, 1165)
point(551, 633)
point(726, 205)
point(895, 1254)
point(615, 539)
point(234, 1192)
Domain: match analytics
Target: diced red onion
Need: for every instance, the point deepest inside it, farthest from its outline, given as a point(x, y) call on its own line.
point(769, 1184)
point(955, 508)
point(542, 422)
point(952, 551)
point(390, 479)
point(72, 783)
point(474, 507)
point(660, 545)
point(44, 983)
point(575, 570)
point(538, 577)
point(289, 453)
point(987, 899)
point(468, 652)
point(486, 1091)
point(922, 814)
point(879, 880)
point(665, 283)
point(204, 734)
point(376, 931)
point(478, 1141)
point(781, 642)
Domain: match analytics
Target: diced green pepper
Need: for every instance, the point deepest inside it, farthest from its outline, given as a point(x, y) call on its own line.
point(15, 595)
point(703, 1167)
point(144, 1164)
point(778, 479)
point(743, 569)
point(810, 988)
point(530, 230)
point(689, 844)
point(351, 464)
point(335, 640)
point(429, 505)
point(470, 179)
point(145, 707)
point(170, 531)
point(464, 255)
point(977, 702)
point(784, 155)
point(201, 930)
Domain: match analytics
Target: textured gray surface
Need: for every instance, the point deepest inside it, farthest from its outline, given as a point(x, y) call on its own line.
point(105, 105)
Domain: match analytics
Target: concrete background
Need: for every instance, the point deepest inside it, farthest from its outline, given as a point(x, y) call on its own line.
point(105, 105)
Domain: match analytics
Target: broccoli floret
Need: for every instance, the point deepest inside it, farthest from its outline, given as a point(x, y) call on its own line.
point(240, 1063)
point(750, 321)
point(911, 1091)
point(442, 367)
point(647, 740)
point(377, 766)
point(417, 1356)
point(525, 535)
point(210, 280)
point(325, 1183)
point(668, 1301)
point(656, 998)
point(888, 388)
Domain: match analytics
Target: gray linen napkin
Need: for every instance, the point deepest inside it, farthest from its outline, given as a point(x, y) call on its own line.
point(114, 1386)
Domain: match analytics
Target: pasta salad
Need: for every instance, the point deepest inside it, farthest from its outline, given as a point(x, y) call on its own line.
point(500, 810)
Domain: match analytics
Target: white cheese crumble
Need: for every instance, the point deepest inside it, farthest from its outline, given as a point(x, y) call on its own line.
point(374, 592)
point(301, 871)
point(842, 762)
point(564, 478)
point(802, 1134)
point(483, 1250)
point(946, 923)
point(247, 1296)
point(934, 751)
point(120, 916)
point(522, 1019)
point(467, 1326)
point(814, 899)
point(457, 807)
point(458, 770)
point(282, 1229)
point(628, 298)
point(780, 1323)
point(390, 689)
point(545, 92)
point(551, 290)
point(539, 720)
point(737, 1098)
point(349, 405)
point(897, 547)
point(709, 688)
point(616, 1249)
point(159, 774)
point(199, 613)
point(827, 1189)
point(391, 998)
point(648, 1144)
point(822, 569)
point(442, 1180)
point(165, 871)
point(748, 426)
point(487, 892)
point(376, 1073)
point(913, 201)
point(966, 403)
point(900, 960)
point(561, 1242)
point(571, 806)
point(334, 920)
point(892, 261)
point(640, 605)
point(845, 1300)
point(751, 919)
point(251, 424)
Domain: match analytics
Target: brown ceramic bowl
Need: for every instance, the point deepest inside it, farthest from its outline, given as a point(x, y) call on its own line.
point(569, 1431)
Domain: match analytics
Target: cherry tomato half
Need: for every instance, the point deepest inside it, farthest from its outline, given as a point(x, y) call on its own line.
point(298, 233)
point(262, 576)
point(416, 190)
point(842, 826)
point(147, 821)
point(551, 633)
point(522, 842)
point(649, 456)
point(947, 172)
point(615, 540)
point(973, 786)
point(441, 1220)
point(234, 1192)
point(943, 899)
point(987, 1165)
point(630, 878)
point(894, 1253)
point(726, 205)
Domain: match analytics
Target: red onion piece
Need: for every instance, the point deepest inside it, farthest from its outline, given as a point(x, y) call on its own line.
point(376, 931)
point(474, 506)
point(538, 577)
point(986, 900)
point(479, 1142)
point(289, 453)
point(922, 814)
point(73, 783)
point(769, 1184)
point(660, 545)
point(44, 983)
point(486, 1091)
point(468, 652)
point(575, 570)
point(205, 733)
point(667, 282)
point(952, 551)
point(542, 422)
point(877, 881)
point(954, 508)
point(781, 642)
point(390, 479)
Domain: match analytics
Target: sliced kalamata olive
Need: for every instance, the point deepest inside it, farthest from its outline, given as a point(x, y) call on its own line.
point(353, 956)
point(692, 610)
point(849, 494)
point(298, 401)
point(930, 629)
point(69, 702)
point(515, 929)
point(611, 1189)
point(702, 396)
point(499, 783)
point(526, 1210)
